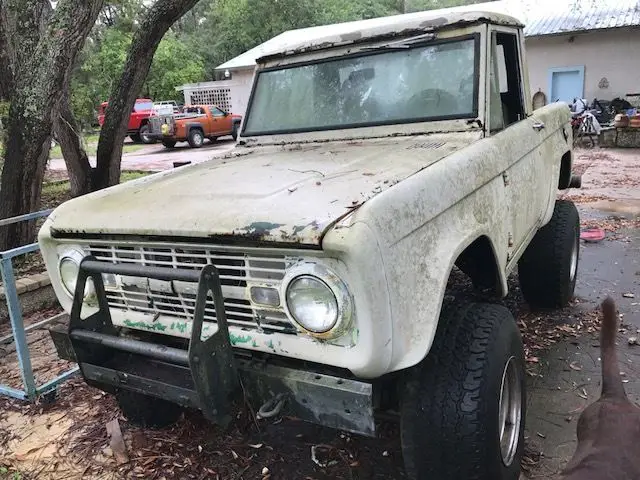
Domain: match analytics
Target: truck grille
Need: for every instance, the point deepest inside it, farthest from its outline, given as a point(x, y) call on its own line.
point(177, 299)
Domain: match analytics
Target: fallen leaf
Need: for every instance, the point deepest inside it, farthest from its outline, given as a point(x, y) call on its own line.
point(633, 340)
point(265, 471)
point(257, 445)
point(541, 435)
point(575, 366)
point(628, 295)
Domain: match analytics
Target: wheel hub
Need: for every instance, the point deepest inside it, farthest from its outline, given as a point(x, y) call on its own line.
point(510, 411)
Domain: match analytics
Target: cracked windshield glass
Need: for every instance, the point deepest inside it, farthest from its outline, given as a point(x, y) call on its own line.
point(392, 85)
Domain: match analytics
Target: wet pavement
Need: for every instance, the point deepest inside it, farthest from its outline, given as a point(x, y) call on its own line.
point(570, 371)
point(569, 377)
point(155, 158)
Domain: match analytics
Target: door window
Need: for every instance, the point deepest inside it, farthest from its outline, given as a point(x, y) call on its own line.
point(506, 102)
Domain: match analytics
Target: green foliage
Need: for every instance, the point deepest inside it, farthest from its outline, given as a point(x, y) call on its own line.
point(102, 64)
point(419, 5)
point(174, 64)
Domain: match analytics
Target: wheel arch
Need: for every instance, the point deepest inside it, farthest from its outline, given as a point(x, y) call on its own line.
point(479, 261)
point(566, 163)
point(194, 126)
point(477, 249)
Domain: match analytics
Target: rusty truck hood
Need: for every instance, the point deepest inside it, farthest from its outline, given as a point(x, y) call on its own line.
point(279, 194)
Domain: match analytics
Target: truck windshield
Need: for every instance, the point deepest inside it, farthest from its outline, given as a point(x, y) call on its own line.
point(397, 85)
point(143, 106)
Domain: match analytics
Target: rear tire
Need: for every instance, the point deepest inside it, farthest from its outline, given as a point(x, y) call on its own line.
point(135, 138)
point(196, 138)
point(234, 131)
point(549, 266)
point(147, 411)
point(144, 134)
point(463, 407)
point(169, 143)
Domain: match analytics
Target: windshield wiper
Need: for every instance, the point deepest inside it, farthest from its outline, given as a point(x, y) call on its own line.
point(404, 43)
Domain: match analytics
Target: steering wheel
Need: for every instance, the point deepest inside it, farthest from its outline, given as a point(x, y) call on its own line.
point(434, 102)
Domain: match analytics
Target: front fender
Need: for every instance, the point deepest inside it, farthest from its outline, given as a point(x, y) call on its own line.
point(423, 224)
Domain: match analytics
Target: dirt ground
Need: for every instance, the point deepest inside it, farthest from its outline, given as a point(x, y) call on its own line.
point(68, 438)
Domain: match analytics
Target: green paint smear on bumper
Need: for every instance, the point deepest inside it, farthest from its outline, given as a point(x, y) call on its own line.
point(236, 339)
point(146, 326)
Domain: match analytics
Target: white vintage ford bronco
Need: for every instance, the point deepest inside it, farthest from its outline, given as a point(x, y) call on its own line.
point(307, 271)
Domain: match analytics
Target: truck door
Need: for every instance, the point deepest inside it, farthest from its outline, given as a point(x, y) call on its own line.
point(220, 121)
point(522, 139)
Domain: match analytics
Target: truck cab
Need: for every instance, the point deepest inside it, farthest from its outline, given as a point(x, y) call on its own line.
point(138, 126)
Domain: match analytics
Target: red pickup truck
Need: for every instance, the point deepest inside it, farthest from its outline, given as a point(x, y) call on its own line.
point(138, 128)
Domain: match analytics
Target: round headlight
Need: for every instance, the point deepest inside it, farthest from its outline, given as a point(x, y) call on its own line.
point(69, 266)
point(312, 304)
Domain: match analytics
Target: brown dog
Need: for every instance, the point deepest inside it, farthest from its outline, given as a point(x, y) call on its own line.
point(608, 429)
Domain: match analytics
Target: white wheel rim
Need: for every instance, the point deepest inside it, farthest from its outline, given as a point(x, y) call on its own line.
point(510, 411)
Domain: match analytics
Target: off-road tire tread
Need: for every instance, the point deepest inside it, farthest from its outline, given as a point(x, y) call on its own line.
point(543, 270)
point(447, 409)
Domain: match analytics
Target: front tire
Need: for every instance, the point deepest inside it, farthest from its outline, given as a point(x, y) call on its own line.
point(463, 408)
point(196, 138)
point(147, 411)
point(169, 143)
point(548, 268)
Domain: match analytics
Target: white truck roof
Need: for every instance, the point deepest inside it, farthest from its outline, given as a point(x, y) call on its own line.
point(326, 36)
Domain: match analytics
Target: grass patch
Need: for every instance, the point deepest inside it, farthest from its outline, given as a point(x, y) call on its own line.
point(91, 146)
point(55, 193)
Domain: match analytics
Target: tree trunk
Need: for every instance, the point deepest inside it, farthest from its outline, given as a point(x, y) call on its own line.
point(157, 21)
point(43, 46)
point(75, 157)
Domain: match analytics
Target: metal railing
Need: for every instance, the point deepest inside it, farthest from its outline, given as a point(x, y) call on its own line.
point(18, 331)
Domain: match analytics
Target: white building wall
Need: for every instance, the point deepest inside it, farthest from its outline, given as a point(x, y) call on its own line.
point(610, 54)
point(231, 95)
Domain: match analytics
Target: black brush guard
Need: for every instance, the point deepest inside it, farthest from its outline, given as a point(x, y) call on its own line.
point(207, 376)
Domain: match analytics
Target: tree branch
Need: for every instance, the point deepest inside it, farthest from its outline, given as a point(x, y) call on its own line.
point(157, 20)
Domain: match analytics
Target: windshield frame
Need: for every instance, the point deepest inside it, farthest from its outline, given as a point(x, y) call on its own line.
point(475, 36)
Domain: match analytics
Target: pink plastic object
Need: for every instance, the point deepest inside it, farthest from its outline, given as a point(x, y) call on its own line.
point(592, 234)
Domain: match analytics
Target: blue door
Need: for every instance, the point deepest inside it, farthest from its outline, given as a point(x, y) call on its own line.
point(566, 83)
